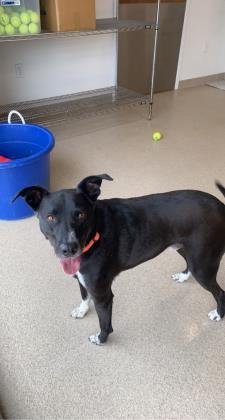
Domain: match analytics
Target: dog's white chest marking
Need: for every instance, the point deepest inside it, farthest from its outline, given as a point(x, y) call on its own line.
point(80, 311)
point(175, 247)
point(81, 279)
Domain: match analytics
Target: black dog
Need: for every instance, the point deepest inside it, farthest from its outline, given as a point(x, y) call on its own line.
point(97, 239)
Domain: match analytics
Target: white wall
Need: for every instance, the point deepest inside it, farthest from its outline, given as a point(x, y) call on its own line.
point(202, 50)
point(58, 67)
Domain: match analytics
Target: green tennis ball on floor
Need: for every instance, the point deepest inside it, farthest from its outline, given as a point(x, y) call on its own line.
point(23, 29)
point(2, 30)
point(4, 19)
point(156, 136)
point(9, 29)
point(33, 28)
point(25, 18)
point(34, 16)
point(15, 21)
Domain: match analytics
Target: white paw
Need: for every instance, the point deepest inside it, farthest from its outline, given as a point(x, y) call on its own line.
point(81, 310)
point(94, 339)
point(214, 316)
point(181, 277)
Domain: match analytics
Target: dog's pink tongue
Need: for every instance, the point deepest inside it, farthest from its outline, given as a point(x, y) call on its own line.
point(70, 265)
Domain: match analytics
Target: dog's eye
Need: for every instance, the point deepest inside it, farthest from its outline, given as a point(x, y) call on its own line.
point(81, 215)
point(51, 218)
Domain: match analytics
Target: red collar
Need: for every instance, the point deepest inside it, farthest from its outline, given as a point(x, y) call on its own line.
point(91, 243)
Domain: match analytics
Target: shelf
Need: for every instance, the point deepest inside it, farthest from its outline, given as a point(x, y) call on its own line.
point(114, 25)
point(52, 111)
point(103, 26)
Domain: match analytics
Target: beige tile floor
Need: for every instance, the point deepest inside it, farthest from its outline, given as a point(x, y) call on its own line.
point(165, 360)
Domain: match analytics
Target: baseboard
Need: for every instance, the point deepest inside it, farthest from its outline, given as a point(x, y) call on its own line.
point(200, 81)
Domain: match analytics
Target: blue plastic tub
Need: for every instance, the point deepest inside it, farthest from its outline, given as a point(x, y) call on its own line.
point(29, 147)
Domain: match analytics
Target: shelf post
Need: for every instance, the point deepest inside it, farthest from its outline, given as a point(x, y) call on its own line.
point(154, 60)
point(114, 95)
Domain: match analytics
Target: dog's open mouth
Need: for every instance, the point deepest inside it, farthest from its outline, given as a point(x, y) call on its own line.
point(71, 264)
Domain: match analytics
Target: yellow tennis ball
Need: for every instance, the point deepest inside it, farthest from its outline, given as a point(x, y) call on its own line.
point(33, 28)
point(25, 18)
point(23, 29)
point(2, 30)
point(9, 29)
point(4, 19)
point(15, 14)
point(15, 21)
point(156, 136)
point(8, 10)
point(34, 16)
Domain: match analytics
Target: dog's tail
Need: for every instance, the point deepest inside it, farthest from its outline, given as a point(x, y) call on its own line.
point(220, 187)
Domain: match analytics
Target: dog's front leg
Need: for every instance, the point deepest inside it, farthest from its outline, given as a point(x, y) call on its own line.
point(103, 306)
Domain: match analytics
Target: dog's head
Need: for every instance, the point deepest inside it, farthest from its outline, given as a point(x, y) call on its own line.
point(67, 217)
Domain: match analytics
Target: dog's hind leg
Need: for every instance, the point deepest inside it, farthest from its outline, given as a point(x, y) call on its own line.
point(184, 275)
point(205, 271)
point(81, 310)
point(212, 286)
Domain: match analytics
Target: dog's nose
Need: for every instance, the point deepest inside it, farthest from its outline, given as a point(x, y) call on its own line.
point(69, 249)
point(73, 247)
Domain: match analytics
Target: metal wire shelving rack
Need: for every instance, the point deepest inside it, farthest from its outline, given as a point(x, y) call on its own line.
point(85, 104)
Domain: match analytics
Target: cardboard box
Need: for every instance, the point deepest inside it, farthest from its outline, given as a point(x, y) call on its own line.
point(69, 15)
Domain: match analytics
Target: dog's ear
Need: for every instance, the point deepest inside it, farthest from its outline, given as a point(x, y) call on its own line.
point(91, 185)
point(32, 195)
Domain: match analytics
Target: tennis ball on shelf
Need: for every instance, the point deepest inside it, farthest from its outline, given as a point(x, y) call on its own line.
point(21, 9)
point(4, 19)
point(156, 136)
point(34, 16)
point(23, 29)
point(15, 21)
point(33, 28)
point(15, 14)
point(2, 30)
point(25, 18)
point(9, 29)
point(8, 10)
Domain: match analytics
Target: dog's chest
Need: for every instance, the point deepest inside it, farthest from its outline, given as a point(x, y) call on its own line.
point(175, 247)
point(81, 279)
